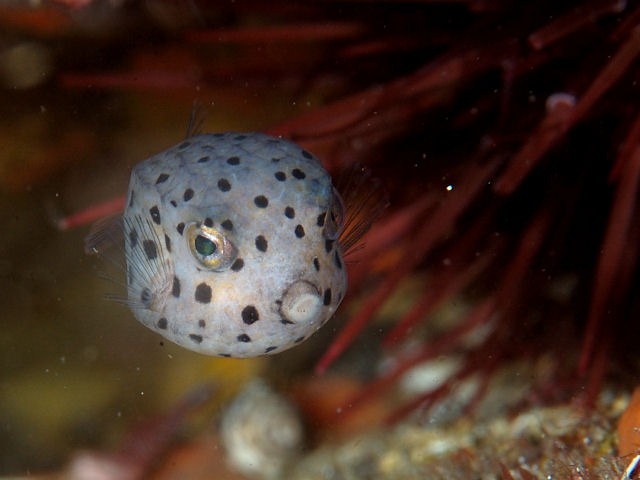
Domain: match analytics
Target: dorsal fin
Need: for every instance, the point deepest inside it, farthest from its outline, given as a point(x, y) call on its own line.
point(196, 119)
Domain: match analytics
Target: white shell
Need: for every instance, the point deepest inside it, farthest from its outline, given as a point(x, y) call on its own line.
point(261, 432)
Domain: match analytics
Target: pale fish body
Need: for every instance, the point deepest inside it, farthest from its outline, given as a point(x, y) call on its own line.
point(231, 244)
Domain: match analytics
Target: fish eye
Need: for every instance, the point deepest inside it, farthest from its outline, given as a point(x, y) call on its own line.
point(204, 246)
point(334, 222)
point(211, 249)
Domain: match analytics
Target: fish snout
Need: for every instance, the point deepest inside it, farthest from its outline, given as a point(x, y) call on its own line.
point(301, 302)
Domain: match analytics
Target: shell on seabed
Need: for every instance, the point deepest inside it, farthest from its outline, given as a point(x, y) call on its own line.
point(261, 431)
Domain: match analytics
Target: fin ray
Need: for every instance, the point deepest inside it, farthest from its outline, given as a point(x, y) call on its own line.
point(364, 200)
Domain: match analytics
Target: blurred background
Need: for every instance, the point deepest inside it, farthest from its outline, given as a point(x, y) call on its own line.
point(505, 135)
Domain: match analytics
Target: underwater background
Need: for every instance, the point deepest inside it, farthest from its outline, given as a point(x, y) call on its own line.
point(492, 312)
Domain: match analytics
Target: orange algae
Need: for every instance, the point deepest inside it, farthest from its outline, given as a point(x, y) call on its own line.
point(629, 427)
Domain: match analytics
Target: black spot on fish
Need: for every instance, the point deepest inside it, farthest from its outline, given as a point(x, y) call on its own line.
point(275, 160)
point(203, 293)
point(224, 185)
point(328, 245)
point(289, 212)
point(299, 339)
point(163, 177)
point(188, 194)
point(180, 228)
point(155, 214)
point(204, 159)
point(227, 225)
point(280, 176)
point(327, 296)
point(321, 217)
point(174, 203)
point(261, 201)
point(316, 264)
point(299, 231)
point(167, 242)
point(250, 314)
point(133, 238)
point(184, 145)
point(175, 291)
point(145, 296)
point(244, 338)
point(299, 174)
point(208, 222)
point(269, 349)
point(131, 198)
point(233, 160)
point(195, 338)
point(240, 137)
point(202, 323)
point(150, 249)
point(237, 265)
point(162, 324)
point(261, 243)
point(336, 258)
point(306, 154)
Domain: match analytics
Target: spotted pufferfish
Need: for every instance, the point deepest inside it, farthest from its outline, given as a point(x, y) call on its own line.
point(231, 244)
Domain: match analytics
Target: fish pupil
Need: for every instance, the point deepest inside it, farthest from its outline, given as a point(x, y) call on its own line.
point(204, 246)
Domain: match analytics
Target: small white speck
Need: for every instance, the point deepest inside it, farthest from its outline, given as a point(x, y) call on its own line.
point(339, 410)
point(449, 188)
point(142, 394)
point(560, 98)
point(118, 414)
point(63, 359)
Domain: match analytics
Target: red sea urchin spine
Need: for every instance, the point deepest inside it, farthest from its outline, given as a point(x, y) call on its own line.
point(482, 78)
point(92, 214)
point(476, 178)
point(614, 247)
point(498, 306)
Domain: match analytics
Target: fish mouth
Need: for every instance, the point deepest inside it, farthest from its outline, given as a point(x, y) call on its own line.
point(301, 303)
